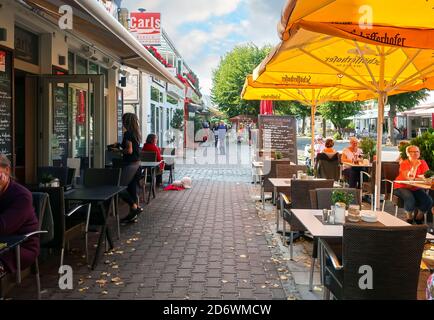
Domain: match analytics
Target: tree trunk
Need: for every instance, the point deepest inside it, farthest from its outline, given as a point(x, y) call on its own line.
point(392, 115)
point(324, 129)
point(303, 125)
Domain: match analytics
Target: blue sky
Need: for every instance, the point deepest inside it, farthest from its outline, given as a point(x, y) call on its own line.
point(204, 30)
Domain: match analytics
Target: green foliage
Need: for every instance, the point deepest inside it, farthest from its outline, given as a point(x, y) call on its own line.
point(408, 100)
point(338, 112)
point(228, 79)
point(337, 136)
point(369, 147)
point(47, 178)
point(351, 125)
point(429, 174)
point(310, 171)
point(278, 155)
point(342, 196)
point(425, 142)
point(178, 119)
point(293, 108)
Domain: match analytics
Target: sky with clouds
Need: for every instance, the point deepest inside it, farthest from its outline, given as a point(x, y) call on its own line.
point(204, 30)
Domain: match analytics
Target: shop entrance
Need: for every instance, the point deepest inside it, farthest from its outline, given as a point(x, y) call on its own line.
point(72, 121)
point(25, 124)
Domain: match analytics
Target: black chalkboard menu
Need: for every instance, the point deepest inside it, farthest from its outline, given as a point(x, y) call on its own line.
point(279, 133)
point(6, 103)
point(119, 111)
point(60, 123)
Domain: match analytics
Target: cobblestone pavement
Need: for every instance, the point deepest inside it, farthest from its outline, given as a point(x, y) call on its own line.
point(203, 243)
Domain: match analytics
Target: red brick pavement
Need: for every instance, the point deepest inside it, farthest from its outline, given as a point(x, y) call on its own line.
point(202, 243)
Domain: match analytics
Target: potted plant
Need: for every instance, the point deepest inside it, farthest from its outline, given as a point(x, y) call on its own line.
point(342, 200)
point(46, 180)
point(278, 155)
point(310, 172)
point(429, 176)
point(368, 146)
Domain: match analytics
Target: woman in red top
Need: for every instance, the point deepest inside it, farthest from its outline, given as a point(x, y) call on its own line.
point(413, 197)
point(151, 145)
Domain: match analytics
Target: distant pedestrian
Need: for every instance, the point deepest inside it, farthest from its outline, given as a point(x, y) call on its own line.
point(222, 130)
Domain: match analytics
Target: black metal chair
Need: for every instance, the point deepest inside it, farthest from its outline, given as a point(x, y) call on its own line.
point(390, 256)
point(66, 226)
point(95, 177)
point(299, 199)
point(327, 166)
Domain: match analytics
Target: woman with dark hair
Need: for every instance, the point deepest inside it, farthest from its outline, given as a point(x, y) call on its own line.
point(151, 145)
point(131, 158)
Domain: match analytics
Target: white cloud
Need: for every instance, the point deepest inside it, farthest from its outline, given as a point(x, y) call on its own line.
point(177, 12)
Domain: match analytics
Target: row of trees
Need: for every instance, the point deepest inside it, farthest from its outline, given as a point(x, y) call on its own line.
point(229, 77)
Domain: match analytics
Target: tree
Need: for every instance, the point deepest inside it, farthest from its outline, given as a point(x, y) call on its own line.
point(178, 119)
point(401, 102)
point(338, 112)
point(228, 79)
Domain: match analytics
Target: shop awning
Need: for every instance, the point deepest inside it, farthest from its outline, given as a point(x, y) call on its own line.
point(94, 22)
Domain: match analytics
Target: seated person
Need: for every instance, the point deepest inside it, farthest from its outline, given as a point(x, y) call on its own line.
point(17, 217)
point(329, 146)
point(349, 155)
point(151, 145)
point(413, 197)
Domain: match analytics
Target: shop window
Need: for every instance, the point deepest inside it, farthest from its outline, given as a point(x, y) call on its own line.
point(172, 100)
point(155, 94)
point(93, 68)
point(81, 65)
point(161, 97)
point(152, 118)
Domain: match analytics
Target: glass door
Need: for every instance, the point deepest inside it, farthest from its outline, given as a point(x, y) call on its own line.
point(72, 120)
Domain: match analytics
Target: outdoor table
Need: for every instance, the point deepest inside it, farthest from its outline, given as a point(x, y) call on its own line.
point(13, 242)
point(357, 165)
point(309, 218)
point(169, 158)
point(151, 166)
point(98, 195)
point(417, 184)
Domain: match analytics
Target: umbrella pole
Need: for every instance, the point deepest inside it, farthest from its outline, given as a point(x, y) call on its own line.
point(381, 101)
point(312, 129)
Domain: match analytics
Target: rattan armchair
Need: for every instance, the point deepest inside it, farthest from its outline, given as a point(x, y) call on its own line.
point(390, 257)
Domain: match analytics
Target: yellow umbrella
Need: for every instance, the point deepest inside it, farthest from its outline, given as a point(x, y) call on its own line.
point(384, 22)
point(309, 58)
point(310, 96)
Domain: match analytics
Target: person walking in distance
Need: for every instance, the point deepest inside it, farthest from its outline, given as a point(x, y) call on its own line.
point(222, 130)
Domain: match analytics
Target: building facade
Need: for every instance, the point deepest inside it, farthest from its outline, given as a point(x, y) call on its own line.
point(60, 95)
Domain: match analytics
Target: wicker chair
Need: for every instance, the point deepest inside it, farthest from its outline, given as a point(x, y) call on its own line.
point(392, 254)
point(298, 199)
point(327, 166)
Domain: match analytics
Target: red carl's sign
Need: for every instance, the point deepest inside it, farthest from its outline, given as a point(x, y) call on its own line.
point(146, 26)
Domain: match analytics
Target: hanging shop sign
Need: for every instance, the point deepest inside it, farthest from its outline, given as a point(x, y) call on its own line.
point(146, 27)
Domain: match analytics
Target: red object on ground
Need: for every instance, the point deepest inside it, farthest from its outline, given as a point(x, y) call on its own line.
point(172, 187)
point(266, 107)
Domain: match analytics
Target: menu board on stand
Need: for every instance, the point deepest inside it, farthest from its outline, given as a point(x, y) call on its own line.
point(60, 124)
point(119, 111)
point(279, 134)
point(6, 119)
